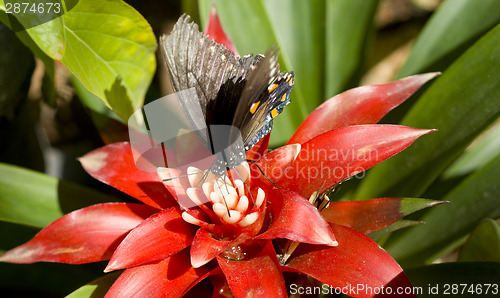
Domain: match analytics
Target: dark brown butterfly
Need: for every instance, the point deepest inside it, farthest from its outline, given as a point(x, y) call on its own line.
point(241, 94)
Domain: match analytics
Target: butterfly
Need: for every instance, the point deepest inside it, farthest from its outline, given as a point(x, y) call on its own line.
point(238, 98)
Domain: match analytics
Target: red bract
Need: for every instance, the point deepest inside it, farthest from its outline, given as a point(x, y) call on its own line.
point(216, 32)
point(244, 232)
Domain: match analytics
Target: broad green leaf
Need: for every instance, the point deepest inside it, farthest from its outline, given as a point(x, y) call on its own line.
point(96, 288)
point(483, 244)
point(50, 37)
point(34, 199)
point(110, 48)
point(475, 279)
point(44, 25)
point(106, 44)
point(446, 226)
point(348, 26)
point(460, 104)
point(293, 26)
point(455, 26)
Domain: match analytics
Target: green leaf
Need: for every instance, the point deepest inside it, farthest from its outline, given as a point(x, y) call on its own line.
point(34, 199)
point(348, 27)
point(446, 226)
point(96, 288)
point(106, 44)
point(433, 280)
point(400, 224)
point(455, 26)
point(460, 104)
point(411, 205)
point(110, 48)
point(483, 244)
point(482, 151)
point(49, 37)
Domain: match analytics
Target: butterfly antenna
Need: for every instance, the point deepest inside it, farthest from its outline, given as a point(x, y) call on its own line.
point(203, 178)
point(170, 179)
point(254, 163)
point(224, 176)
point(205, 174)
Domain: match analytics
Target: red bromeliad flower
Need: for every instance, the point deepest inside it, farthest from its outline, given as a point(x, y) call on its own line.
point(246, 235)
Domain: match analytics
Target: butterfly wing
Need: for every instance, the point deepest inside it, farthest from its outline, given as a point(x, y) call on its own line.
point(246, 93)
point(268, 105)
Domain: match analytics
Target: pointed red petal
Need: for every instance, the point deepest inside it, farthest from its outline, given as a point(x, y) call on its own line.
point(339, 154)
point(257, 276)
point(364, 216)
point(114, 165)
point(216, 32)
point(171, 277)
point(362, 105)
point(157, 238)
point(205, 248)
point(294, 218)
point(370, 215)
point(86, 235)
point(356, 262)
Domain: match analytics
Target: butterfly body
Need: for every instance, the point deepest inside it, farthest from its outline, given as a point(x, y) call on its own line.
point(243, 93)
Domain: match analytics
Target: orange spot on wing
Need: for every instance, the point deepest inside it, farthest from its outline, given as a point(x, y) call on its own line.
point(254, 107)
point(272, 87)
